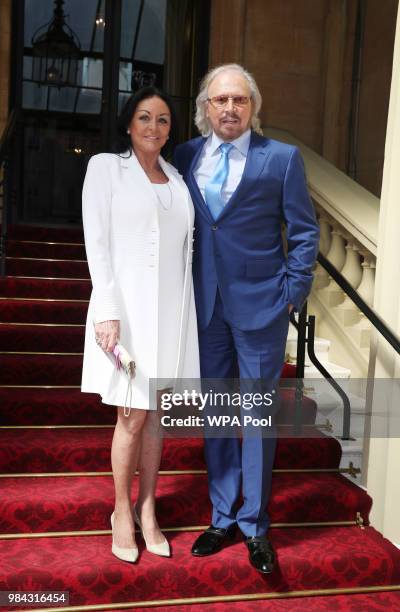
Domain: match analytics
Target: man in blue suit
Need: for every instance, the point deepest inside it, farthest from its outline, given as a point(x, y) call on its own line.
point(244, 188)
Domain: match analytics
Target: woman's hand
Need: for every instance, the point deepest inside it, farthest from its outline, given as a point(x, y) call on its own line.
point(107, 334)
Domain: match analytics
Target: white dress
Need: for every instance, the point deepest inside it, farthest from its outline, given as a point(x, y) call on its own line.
point(138, 239)
point(173, 231)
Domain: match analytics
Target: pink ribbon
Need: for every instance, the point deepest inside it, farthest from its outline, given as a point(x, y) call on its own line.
point(117, 354)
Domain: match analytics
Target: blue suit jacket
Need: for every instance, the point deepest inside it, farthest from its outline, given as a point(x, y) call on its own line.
point(242, 252)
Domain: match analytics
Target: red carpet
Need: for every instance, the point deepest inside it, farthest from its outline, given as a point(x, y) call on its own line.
point(85, 566)
point(52, 450)
point(371, 602)
point(39, 504)
point(313, 507)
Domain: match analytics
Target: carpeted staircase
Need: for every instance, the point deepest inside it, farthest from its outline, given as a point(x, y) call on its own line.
point(57, 491)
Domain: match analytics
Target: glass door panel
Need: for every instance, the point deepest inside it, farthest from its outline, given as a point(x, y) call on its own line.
point(142, 46)
point(123, 45)
point(61, 124)
point(85, 20)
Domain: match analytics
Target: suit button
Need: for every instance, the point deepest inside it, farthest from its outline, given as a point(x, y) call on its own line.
point(214, 227)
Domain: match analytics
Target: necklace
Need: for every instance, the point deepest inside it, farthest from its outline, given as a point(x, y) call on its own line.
point(166, 205)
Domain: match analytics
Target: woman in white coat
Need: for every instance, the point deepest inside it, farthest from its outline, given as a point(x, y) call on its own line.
point(138, 225)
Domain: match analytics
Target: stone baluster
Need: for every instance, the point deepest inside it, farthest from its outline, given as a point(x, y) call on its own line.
point(337, 251)
point(325, 235)
point(362, 330)
point(352, 270)
point(332, 295)
point(367, 286)
point(321, 276)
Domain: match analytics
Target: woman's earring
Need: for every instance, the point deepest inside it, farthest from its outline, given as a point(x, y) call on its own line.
point(127, 131)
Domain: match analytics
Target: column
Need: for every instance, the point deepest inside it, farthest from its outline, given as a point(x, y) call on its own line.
point(383, 457)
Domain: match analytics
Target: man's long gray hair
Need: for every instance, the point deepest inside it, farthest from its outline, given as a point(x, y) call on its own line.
point(201, 120)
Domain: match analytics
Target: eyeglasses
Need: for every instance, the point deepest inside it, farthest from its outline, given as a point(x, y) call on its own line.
point(219, 102)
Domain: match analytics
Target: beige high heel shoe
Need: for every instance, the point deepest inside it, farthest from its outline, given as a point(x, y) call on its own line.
point(125, 554)
point(161, 549)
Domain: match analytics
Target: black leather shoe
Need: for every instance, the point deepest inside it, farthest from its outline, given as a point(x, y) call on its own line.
point(212, 540)
point(261, 554)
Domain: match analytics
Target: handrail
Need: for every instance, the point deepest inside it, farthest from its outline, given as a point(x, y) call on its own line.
point(371, 315)
point(301, 327)
point(343, 396)
point(309, 338)
point(304, 338)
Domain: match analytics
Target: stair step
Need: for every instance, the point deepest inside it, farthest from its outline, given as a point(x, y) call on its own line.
point(318, 558)
point(88, 450)
point(334, 370)
point(321, 346)
point(37, 233)
point(39, 504)
point(352, 452)
point(41, 369)
point(18, 248)
point(53, 407)
point(82, 450)
point(21, 406)
point(42, 311)
point(330, 406)
point(60, 368)
point(54, 339)
point(11, 286)
point(50, 268)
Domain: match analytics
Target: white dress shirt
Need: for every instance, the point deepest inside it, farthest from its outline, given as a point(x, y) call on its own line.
point(210, 157)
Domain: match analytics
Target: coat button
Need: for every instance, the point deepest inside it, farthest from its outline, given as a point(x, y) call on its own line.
point(214, 227)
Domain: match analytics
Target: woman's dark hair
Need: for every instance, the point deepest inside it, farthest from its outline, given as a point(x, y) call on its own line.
point(123, 140)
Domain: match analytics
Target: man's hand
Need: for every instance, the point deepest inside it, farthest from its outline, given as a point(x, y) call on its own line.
point(291, 306)
point(107, 334)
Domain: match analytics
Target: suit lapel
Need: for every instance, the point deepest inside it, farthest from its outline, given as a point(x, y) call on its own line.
point(256, 157)
point(255, 161)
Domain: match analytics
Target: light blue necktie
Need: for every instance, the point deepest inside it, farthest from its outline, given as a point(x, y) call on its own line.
point(214, 186)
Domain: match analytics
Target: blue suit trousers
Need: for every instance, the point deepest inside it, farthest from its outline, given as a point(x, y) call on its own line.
point(236, 465)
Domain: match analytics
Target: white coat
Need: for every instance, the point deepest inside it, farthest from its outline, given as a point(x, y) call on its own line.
point(122, 241)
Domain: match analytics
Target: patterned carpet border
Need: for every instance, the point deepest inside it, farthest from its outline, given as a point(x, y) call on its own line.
point(223, 598)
